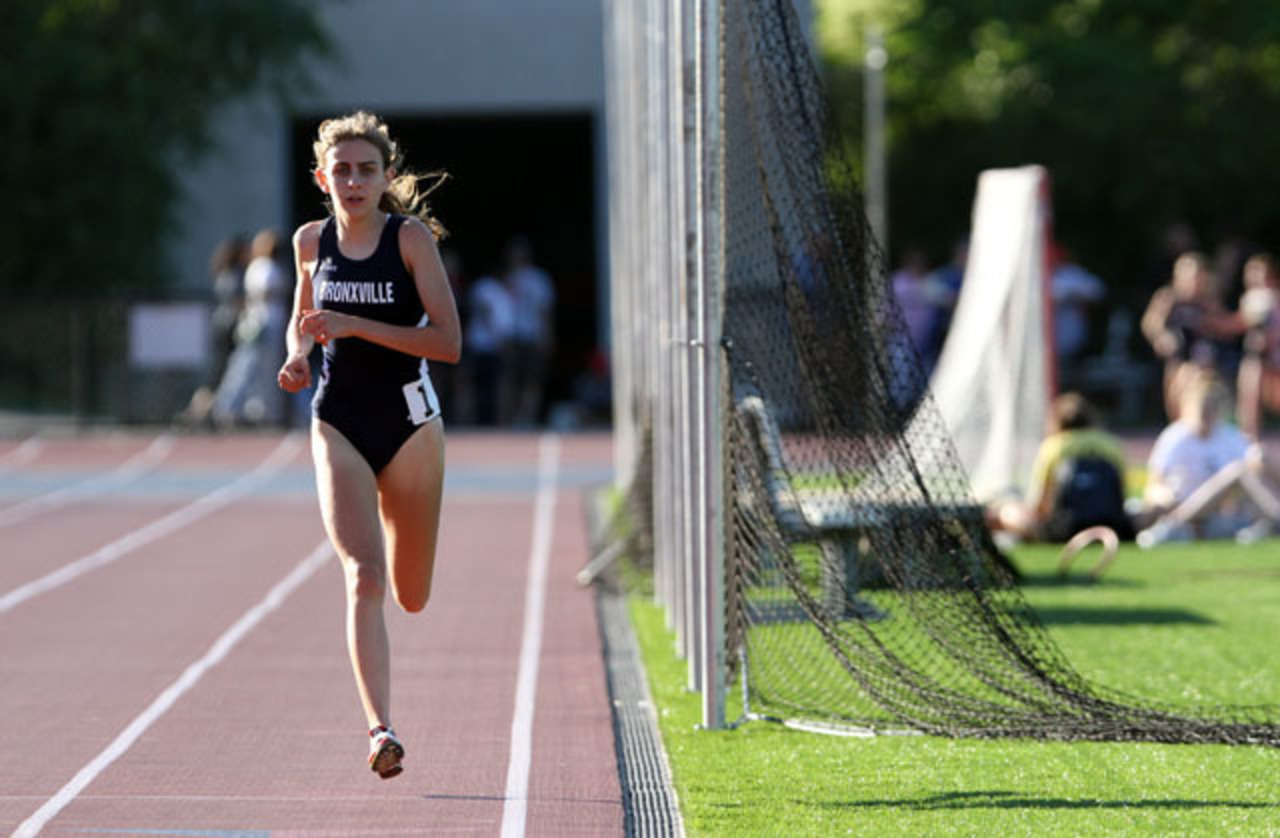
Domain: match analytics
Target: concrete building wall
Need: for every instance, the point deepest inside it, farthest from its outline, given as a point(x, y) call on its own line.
point(394, 56)
point(461, 55)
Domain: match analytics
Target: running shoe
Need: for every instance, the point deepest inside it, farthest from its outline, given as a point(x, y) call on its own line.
point(385, 752)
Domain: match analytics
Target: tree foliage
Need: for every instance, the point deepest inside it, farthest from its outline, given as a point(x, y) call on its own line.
point(103, 99)
point(1144, 111)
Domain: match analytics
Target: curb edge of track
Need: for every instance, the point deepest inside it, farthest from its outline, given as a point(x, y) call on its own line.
point(649, 803)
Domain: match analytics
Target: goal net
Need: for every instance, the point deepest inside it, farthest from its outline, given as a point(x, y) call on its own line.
point(994, 379)
point(861, 586)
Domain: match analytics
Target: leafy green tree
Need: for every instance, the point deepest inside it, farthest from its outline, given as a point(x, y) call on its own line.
point(102, 100)
point(1144, 111)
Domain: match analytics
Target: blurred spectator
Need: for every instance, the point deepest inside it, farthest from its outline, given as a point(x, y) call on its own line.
point(532, 335)
point(1258, 381)
point(1075, 292)
point(1077, 480)
point(1229, 258)
point(248, 393)
point(809, 262)
point(488, 331)
point(923, 300)
point(1186, 325)
point(947, 281)
point(226, 269)
point(1177, 238)
point(1204, 479)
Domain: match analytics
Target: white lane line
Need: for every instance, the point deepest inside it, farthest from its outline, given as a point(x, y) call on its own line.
point(23, 454)
point(250, 798)
point(176, 520)
point(188, 679)
point(121, 475)
point(515, 806)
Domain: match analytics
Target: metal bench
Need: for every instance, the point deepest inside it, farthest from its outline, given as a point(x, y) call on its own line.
point(826, 518)
point(840, 525)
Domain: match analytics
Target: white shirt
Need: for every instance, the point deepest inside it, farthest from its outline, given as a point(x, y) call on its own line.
point(266, 302)
point(492, 313)
point(1183, 460)
point(1073, 290)
point(533, 295)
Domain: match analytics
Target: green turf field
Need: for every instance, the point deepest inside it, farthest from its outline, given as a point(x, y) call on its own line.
point(1183, 624)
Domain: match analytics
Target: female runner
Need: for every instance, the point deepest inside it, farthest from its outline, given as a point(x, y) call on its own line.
point(371, 289)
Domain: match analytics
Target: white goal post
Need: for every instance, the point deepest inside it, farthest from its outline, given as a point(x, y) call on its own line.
point(995, 377)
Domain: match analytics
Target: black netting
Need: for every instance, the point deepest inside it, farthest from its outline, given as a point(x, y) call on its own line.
point(861, 581)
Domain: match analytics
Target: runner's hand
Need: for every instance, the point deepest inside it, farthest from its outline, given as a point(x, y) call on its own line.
point(295, 375)
point(323, 325)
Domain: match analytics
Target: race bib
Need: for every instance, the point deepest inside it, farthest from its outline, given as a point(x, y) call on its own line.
point(420, 410)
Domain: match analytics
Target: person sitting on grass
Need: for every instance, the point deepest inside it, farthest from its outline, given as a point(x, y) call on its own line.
point(1077, 480)
point(1204, 478)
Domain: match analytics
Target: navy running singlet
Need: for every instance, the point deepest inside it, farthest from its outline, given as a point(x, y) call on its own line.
point(374, 396)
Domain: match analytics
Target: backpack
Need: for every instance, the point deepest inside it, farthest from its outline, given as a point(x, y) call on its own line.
point(1087, 492)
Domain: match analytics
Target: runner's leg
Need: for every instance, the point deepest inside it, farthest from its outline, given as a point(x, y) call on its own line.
point(409, 496)
point(349, 505)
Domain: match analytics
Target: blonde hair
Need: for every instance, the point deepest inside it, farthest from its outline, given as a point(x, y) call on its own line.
point(405, 195)
point(1204, 390)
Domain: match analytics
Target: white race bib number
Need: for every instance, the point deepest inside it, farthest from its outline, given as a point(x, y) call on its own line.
point(416, 398)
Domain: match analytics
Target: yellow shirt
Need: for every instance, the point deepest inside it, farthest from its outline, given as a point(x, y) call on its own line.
point(1069, 445)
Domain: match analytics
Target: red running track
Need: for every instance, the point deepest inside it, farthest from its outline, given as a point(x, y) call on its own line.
point(172, 657)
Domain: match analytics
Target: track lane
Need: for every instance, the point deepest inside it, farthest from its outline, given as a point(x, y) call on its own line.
point(573, 787)
point(35, 548)
point(184, 516)
point(187, 681)
point(270, 740)
point(90, 657)
point(290, 745)
point(96, 485)
point(96, 452)
point(17, 453)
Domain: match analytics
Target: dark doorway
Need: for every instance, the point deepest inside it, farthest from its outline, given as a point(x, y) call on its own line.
point(510, 174)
